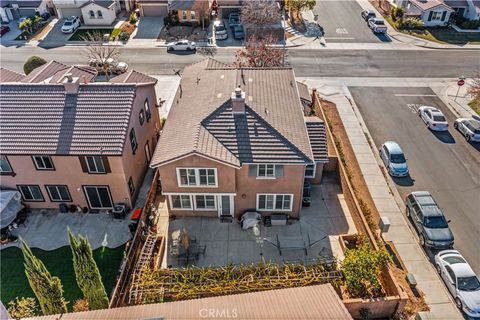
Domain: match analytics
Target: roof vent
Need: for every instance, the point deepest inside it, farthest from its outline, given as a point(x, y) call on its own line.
point(69, 77)
point(238, 100)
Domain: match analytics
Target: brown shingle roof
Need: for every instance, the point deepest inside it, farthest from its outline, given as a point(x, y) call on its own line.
point(318, 138)
point(43, 118)
point(197, 121)
point(318, 302)
point(10, 76)
point(133, 76)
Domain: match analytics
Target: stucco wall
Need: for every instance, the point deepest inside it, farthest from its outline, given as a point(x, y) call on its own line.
point(68, 171)
point(136, 164)
point(434, 23)
point(108, 15)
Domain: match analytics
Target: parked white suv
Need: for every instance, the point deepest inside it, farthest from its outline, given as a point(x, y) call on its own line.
point(71, 24)
point(470, 128)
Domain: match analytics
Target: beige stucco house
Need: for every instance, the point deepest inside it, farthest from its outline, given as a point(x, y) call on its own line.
point(237, 140)
point(67, 139)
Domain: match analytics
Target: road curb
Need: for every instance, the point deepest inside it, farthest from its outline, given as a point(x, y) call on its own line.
point(441, 47)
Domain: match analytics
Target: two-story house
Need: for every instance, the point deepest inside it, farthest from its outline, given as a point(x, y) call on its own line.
point(237, 140)
point(67, 139)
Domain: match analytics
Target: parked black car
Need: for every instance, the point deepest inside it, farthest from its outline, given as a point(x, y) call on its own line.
point(429, 220)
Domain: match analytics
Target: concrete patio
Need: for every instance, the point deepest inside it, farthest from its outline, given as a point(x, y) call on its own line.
point(322, 222)
point(49, 231)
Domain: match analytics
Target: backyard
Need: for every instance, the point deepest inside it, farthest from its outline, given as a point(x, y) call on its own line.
point(58, 263)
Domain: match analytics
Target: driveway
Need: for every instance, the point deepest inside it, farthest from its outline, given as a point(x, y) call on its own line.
point(148, 28)
point(10, 35)
point(342, 22)
point(322, 222)
point(441, 163)
point(55, 38)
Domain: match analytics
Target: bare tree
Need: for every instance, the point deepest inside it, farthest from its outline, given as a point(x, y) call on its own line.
point(260, 53)
point(100, 53)
point(474, 89)
point(258, 14)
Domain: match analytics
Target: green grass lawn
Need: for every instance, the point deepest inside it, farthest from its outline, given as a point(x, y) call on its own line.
point(80, 34)
point(14, 283)
point(475, 105)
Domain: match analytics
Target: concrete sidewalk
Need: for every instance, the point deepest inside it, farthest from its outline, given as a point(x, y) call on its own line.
point(440, 303)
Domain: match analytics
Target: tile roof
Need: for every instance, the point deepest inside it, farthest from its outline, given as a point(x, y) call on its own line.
point(43, 118)
point(55, 72)
point(44, 72)
point(133, 76)
point(429, 4)
point(102, 3)
point(198, 121)
point(315, 302)
point(10, 76)
point(182, 4)
point(318, 138)
point(456, 3)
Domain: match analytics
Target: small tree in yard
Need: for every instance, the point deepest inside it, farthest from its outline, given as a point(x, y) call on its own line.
point(258, 14)
point(47, 289)
point(362, 267)
point(32, 63)
point(22, 308)
point(99, 51)
point(474, 90)
point(296, 6)
point(87, 274)
point(260, 53)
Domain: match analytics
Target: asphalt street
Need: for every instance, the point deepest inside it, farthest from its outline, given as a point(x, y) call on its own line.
point(307, 63)
point(346, 25)
point(442, 163)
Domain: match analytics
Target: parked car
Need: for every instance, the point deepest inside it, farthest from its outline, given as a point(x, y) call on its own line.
point(45, 16)
point(368, 14)
point(394, 159)
point(233, 19)
point(238, 32)
point(71, 24)
point(220, 30)
point(3, 30)
point(461, 281)
point(115, 67)
point(181, 45)
point(470, 128)
point(377, 25)
point(428, 220)
point(433, 118)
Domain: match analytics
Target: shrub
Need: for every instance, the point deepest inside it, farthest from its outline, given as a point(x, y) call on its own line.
point(470, 24)
point(124, 36)
point(114, 34)
point(22, 308)
point(80, 305)
point(32, 63)
point(172, 19)
point(411, 24)
point(133, 18)
point(362, 267)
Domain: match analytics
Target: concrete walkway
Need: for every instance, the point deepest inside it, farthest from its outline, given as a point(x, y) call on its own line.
point(405, 241)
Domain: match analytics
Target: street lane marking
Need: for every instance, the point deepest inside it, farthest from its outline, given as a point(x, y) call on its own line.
point(414, 95)
point(342, 31)
point(413, 107)
point(339, 38)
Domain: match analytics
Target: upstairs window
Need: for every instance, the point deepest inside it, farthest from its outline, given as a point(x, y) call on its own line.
point(5, 166)
point(310, 171)
point(193, 16)
point(184, 15)
point(131, 186)
point(92, 14)
point(133, 141)
point(193, 177)
point(100, 14)
point(141, 117)
point(95, 164)
point(266, 171)
point(146, 107)
point(43, 163)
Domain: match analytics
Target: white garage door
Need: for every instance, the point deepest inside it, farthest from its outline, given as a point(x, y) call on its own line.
point(155, 10)
point(68, 12)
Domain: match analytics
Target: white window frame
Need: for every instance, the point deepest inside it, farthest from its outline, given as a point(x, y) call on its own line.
point(182, 208)
point(204, 196)
point(29, 186)
point(314, 170)
point(193, 16)
point(197, 178)
point(4, 159)
point(43, 162)
point(437, 15)
point(266, 176)
point(184, 15)
point(274, 201)
point(95, 170)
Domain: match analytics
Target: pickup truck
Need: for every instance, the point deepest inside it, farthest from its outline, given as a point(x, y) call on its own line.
point(377, 25)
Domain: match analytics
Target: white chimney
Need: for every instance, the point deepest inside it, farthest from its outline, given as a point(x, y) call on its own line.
point(71, 85)
point(238, 100)
point(69, 77)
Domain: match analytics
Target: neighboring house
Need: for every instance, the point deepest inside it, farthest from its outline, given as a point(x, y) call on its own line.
point(100, 12)
point(14, 9)
point(92, 12)
point(189, 10)
point(66, 139)
point(153, 8)
point(237, 140)
point(433, 13)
